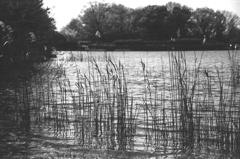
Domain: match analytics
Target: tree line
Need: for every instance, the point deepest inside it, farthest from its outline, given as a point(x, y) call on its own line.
point(108, 22)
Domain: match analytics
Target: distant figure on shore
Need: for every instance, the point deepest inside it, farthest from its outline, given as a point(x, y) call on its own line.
point(173, 40)
point(236, 46)
point(98, 34)
point(204, 39)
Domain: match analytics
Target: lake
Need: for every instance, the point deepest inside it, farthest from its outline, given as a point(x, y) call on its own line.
point(125, 105)
point(156, 64)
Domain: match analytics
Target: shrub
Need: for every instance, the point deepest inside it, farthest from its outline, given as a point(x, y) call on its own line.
point(129, 42)
point(166, 42)
point(188, 41)
point(85, 42)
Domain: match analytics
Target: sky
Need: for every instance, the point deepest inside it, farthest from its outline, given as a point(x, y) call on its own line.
point(64, 10)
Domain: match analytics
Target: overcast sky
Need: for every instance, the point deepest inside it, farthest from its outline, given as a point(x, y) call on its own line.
point(64, 10)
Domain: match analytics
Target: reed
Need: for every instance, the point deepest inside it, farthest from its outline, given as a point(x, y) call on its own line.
point(184, 111)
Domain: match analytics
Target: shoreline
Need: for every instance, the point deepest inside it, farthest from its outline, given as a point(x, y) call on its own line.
point(111, 47)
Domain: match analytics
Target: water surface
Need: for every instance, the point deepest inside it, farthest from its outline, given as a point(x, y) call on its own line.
point(136, 108)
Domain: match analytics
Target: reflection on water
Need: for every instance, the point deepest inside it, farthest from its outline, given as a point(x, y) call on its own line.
point(125, 104)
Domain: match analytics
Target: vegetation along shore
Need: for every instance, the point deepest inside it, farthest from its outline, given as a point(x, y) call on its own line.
point(166, 27)
point(119, 83)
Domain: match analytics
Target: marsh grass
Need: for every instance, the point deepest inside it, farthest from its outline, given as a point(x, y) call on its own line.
point(188, 111)
point(82, 56)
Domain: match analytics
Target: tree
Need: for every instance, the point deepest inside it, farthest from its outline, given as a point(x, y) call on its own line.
point(153, 22)
point(202, 18)
point(72, 32)
point(26, 27)
point(232, 26)
point(111, 21)
point(117, 22)
point(132, 23)
point(26, 18)
point(94, 19)
point(178, 21)
point(171, 5)
point(208, 23)
point(219, 27)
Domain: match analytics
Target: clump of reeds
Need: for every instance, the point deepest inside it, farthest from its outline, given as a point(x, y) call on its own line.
point(188, 110)
point(101, 111)
point(202, 109)
point(73, 57)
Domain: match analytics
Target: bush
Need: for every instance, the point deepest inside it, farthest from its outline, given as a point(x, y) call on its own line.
point(85, 42)
point(166, 42)
point(234, 41)
point(188, 41)
point(129, 42)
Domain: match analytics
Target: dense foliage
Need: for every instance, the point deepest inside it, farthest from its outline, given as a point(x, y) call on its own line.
point(153, 22)
point(26, 30)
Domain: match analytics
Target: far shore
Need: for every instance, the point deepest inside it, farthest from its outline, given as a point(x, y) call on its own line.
point(190, 47)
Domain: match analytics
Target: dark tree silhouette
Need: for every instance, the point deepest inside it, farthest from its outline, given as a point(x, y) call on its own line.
point(25, 28)
point(152, 23)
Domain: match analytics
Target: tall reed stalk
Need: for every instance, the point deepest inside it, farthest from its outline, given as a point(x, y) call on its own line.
point(186, 110)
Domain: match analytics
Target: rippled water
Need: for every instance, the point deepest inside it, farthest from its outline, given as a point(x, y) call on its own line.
point(156, 64)
point(82, 111)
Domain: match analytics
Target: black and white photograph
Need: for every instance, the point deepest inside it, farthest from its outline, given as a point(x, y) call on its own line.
point(107, 79)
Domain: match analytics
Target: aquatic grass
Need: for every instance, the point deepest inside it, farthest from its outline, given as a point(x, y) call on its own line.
point(84, 56)
point(75, 57)
point(196, 125)
point(105, 99)
point(184, 110)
